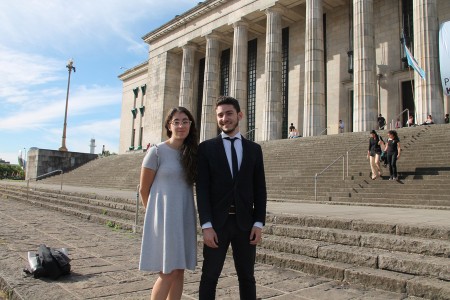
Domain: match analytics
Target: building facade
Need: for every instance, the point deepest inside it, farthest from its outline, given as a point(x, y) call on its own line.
point(307, 62)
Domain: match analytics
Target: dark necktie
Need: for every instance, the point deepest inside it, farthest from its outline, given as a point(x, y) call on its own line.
point(234, 161)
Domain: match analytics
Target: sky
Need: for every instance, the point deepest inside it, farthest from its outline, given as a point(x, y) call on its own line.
point(103, 37)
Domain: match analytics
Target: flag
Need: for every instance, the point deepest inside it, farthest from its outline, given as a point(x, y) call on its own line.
point(412, 62)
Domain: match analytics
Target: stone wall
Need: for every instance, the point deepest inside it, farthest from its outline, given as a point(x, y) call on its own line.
point(43, 161)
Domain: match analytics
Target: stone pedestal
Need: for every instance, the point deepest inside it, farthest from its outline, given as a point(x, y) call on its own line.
point(43, 161)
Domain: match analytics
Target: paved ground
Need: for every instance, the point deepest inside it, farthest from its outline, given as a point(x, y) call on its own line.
point(104, 261)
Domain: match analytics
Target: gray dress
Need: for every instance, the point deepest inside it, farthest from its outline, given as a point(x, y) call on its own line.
point(169, 239)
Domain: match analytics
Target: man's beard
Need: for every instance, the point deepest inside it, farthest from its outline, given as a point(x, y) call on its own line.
point(227, 131)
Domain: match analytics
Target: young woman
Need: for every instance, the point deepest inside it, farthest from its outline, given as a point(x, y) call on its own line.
point(169, 240)
point(373, 153)
point(393, 153)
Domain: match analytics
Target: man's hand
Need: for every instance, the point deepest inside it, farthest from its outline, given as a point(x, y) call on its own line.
point(255, 235)
point(210, 238)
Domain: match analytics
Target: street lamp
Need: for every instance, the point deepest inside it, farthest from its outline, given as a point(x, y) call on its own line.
point(69, 66)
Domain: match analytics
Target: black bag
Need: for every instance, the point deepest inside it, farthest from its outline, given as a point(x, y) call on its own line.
point(51, 263)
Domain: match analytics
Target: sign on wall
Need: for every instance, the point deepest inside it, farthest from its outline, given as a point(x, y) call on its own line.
point(444, 56)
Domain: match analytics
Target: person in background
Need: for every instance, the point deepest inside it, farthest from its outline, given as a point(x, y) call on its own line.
point(398, 124)
point(291, 127)
point(341, 126)
point(410, 121)
point(446, 120)
point(381, 122)
point(293, 133)
point(231, 201)
point(373, 154)
point(393, 151)
point(169, 239)
point(428, 121)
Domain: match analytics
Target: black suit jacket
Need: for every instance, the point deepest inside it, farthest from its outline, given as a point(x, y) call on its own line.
point(216, 187)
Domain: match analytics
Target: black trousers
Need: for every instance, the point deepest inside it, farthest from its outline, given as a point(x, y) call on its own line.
point(392, 160)
point(244, 256)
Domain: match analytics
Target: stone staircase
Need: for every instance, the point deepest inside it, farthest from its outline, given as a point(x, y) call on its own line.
point(115, 171)
point(410, 260)
point(424, 169)
point(413, 260)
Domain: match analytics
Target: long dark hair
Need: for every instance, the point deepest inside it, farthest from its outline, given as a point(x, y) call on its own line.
point(394, 134)
point(377, 137)
point(189, 148)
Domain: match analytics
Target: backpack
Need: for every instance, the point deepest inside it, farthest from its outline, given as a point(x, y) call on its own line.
point(48, 262)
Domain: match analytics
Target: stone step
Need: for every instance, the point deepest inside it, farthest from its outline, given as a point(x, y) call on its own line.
point(103, 215)
point(391, 242)
point(418, 286)
point(401, 262)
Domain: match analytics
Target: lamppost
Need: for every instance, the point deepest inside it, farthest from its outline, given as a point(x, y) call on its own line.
point(70, 67)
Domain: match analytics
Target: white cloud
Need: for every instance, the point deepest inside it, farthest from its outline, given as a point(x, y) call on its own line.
point(47, 107)
point(36, 39)
point(21, 70)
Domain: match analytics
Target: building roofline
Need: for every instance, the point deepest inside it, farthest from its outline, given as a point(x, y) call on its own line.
point(200, 9)
point(134, 70)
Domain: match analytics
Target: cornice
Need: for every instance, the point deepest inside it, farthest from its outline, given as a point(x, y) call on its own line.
point(139, 69)
point(200, 9)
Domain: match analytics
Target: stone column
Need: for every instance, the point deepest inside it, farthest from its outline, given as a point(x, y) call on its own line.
point(210, 87)
point(364, 71)
point(273, 108)
point(314, 120)
point(187, 77)
point(428, 93)
point(238, 85)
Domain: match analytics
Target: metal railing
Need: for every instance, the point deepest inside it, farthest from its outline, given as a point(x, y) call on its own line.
point(45, 175)
point(326, 168)
point(344, 166)
point(323, 131)
point(400, 114)
point(352, 148)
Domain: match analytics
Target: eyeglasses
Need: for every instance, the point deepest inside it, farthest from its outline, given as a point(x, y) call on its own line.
point(184, 123)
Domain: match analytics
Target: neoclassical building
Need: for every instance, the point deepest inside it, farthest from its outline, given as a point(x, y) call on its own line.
point(306, 62)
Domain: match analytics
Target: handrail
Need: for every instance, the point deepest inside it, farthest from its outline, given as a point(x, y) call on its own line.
point(364, 140)
point(44, 175)
point(392, 123)
point(343, 167)
point(326, 168)
point(136, 217)
point(323, 131)
point(246, 134)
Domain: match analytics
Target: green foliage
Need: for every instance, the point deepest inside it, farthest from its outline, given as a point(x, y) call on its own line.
point(8, 171)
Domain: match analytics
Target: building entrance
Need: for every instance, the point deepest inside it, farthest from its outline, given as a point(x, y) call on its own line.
point(408, 100)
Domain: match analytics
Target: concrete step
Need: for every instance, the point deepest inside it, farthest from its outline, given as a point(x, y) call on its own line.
point(368, 240)
point(418, 286)
point(100, 214)
point(401, 262)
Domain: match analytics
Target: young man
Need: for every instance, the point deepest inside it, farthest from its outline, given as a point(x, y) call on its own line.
point(381, 122)
point(231, 201)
